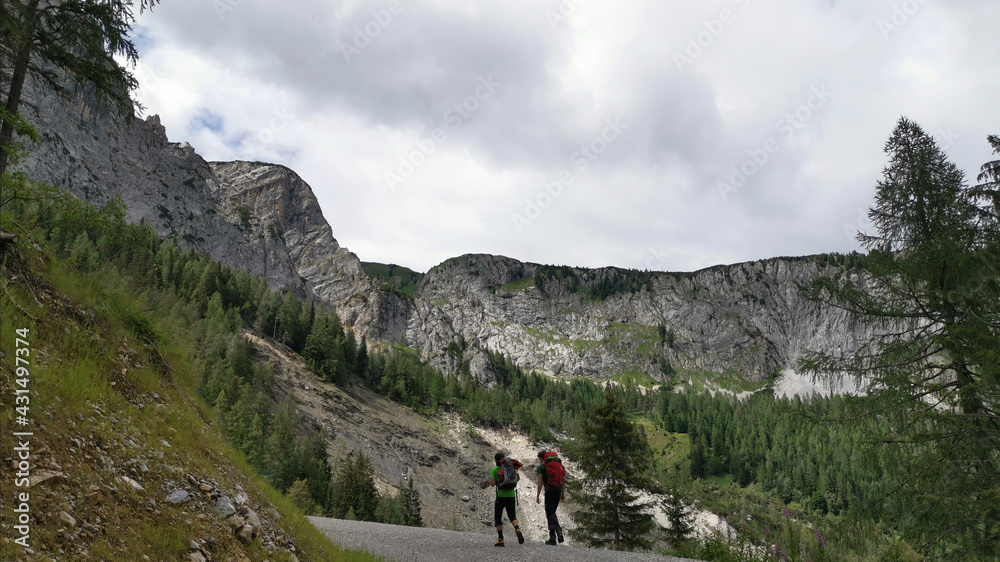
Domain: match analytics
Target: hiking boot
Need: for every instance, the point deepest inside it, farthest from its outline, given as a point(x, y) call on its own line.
point(551, 541)
point(498, 543)
point(560, 536)
point(520, 538)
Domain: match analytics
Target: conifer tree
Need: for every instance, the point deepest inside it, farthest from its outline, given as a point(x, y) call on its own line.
point(354, 489)
point(930, 289)
point(614, 459)
point(680, 520)
point(362, 360)
point(411, 506)
point(298, 492)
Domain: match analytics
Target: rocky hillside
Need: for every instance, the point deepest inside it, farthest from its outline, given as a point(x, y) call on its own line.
point(746, 321)
point(447, 470)
point(98, 157)
point(448, 461)
point(117, 460)
point(275, 206)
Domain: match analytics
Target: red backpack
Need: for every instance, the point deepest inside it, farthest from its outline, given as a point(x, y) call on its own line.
point(555, 474)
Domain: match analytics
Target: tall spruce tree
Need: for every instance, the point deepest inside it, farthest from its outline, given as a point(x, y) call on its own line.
point(614, 458)
point(411, 506)
point(354, 489)
point(680, 519)
point(931, 376)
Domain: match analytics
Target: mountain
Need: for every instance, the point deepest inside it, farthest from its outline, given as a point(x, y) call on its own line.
point(746, 322)
point(747, 319)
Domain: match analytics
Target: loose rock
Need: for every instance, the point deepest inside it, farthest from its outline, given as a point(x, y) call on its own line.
point(67, 518)
point(224, 507)
point(133, 483)
point(178, 496)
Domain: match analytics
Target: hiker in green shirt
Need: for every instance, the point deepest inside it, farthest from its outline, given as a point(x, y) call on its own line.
point(506, 495)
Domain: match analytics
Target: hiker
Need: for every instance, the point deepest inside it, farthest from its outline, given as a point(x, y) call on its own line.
point(552, 476)
point(504, 477)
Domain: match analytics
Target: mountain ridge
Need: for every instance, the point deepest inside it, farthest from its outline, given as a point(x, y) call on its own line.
point(746, 320)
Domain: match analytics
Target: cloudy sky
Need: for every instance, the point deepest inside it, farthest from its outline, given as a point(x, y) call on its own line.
point(660, 135)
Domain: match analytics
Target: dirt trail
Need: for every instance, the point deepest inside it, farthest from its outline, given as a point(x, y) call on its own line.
point(407, 544)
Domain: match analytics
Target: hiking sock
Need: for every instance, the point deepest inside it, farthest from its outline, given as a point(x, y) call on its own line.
point(520, 537)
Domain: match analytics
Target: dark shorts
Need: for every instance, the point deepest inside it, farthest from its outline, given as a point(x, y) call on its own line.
point(504, 503)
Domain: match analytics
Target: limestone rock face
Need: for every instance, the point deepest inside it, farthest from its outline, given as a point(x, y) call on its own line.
point(262, 218)
point(275, 206)
point(97, 157)
point(746, 319)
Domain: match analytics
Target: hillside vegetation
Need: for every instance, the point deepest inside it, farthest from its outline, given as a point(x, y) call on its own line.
point(119, 431)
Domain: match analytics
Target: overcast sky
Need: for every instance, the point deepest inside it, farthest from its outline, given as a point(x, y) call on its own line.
point(661, 135)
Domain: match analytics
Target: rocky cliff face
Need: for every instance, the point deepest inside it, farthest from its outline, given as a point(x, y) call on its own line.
point(745, 320)
point(258, 217)
point(275, 206)
point(98, 157)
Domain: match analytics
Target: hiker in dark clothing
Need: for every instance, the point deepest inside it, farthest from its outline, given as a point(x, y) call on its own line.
point(506, 499)
point(554, 493)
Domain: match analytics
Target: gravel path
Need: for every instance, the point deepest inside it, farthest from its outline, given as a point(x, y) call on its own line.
point(405, 544)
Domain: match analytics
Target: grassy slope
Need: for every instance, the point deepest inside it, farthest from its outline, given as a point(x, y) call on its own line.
point(105, 405)
point(395, 277)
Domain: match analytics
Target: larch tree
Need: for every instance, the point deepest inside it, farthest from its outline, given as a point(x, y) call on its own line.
point(354, 489)
point(55, 40)
point(930, 289)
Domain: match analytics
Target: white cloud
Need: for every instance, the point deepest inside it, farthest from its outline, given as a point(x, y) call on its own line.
point(270, 81)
